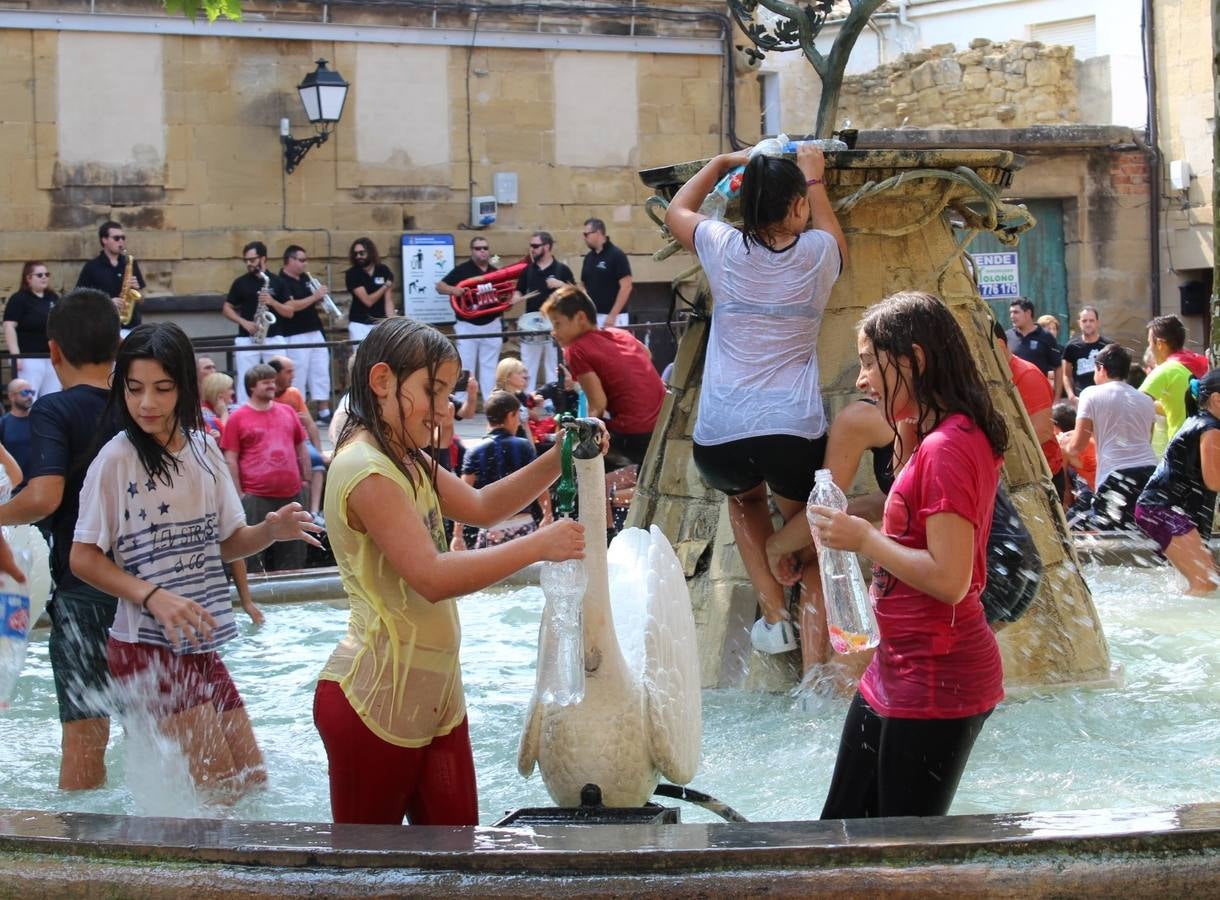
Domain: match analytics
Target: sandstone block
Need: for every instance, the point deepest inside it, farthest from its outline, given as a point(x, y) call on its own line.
point(922, 77)
point(976, 78)
point(995, 94)
point(901, 85)
point(1042, 72)
point(1006, 112)
point(980, 43)
point(1029, 53)
point(993, 61)
point(1015, 67)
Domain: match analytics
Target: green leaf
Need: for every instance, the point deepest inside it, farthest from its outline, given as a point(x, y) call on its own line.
point(213, 9)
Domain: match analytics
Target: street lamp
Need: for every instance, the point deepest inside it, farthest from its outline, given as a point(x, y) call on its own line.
point(323, 93)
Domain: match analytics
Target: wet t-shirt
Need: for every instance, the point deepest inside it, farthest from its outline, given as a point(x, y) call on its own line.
point(936, 661)
point(265, 441)
point(398, 663)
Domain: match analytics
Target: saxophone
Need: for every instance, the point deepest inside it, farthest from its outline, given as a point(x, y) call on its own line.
point(263, 317)
point(128, 296)
point(327, 303)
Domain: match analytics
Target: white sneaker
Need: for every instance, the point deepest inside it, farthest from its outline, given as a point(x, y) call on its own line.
point(777, 638)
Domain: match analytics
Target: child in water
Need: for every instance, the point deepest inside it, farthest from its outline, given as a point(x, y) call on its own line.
point(1176, 507)
point(389, 703)
point(159, 499)
point(760, 421)
point(936, 674)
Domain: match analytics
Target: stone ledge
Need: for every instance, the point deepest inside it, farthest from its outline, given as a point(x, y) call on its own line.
point(1027, 140)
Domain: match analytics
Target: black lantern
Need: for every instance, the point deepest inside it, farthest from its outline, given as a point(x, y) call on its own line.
point(323, 93)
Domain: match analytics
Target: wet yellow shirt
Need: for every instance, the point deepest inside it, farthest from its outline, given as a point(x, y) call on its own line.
point(398, 662)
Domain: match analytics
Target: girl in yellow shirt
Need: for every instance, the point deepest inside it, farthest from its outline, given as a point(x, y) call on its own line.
point(389, 703)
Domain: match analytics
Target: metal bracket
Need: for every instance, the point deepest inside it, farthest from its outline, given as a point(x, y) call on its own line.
point(295, 149)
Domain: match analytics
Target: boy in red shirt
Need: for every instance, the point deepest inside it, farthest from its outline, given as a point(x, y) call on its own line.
point(612, 367)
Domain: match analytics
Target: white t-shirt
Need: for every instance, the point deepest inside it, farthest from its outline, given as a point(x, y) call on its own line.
point(761, 372)
point(167, 534)
point(1122, 420)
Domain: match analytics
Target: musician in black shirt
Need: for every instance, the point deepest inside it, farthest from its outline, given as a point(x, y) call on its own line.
point(541, 278)
point(371, 285)
point(312, 364)
point(105, 271)
point(480, 352)
point(241, 307)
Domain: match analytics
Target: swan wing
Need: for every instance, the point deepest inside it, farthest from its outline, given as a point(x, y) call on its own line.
point(671, 664)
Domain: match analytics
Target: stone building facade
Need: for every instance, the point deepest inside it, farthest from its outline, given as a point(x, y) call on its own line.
point(172, 128)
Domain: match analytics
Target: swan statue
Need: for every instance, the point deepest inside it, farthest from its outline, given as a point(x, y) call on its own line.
point(640, 716)
point(37, 565)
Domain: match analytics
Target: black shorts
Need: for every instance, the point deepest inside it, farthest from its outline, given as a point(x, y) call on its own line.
point(77, 647)
point(632, 446)
point(785, 462)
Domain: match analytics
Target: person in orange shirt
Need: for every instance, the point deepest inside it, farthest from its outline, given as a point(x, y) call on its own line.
point(1038, 397)
point(285, 393)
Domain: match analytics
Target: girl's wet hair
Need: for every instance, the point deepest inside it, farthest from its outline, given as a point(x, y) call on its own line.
point(406, 346)
point(768, 188)
point(948, 381)
point(168, 345)
point(1200, 390)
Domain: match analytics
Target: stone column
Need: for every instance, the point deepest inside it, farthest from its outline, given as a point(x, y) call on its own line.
point(900, 237)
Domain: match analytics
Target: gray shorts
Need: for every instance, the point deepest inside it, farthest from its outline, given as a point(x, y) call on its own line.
point(80, 625)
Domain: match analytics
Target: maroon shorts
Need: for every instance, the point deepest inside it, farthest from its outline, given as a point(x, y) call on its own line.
point(1162, 524)
point(374, 782)
point(178, 682)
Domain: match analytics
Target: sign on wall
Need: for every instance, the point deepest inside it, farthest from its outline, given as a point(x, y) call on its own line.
point(997, 275)
point(426, 259)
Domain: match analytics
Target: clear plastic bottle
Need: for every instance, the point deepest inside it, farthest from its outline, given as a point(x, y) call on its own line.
point(729, 186)
point(562, 675)
point(14, 629)
point(849, 611)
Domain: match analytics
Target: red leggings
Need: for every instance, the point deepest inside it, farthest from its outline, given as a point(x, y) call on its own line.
point(373, 782)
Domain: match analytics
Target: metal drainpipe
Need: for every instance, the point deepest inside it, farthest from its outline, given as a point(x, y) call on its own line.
point(1154, 157)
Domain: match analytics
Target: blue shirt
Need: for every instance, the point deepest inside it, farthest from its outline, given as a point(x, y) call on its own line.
point(497, 456)
point(15, 435)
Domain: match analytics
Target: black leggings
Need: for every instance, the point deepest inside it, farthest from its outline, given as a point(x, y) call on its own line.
point(898, 767)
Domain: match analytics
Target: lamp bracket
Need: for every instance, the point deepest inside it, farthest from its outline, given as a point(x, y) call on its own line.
point(296, 148)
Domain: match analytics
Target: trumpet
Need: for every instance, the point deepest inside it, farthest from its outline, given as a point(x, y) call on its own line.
point(263, 317)
point(327, 303)
point(128, 296)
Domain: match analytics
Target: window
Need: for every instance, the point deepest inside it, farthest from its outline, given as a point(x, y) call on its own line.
point(768, 93)
point(1078, 33)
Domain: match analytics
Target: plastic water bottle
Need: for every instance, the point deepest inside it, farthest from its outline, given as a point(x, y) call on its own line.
point(14, 629)
point(582, 403)
point(729, 186)
point(563, 583)
point(849, 612)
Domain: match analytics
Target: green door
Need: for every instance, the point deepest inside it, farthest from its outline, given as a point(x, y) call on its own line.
point(1040, 265)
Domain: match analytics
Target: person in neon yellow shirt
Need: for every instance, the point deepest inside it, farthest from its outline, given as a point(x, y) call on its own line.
point(1168, 382)
point(389, 704)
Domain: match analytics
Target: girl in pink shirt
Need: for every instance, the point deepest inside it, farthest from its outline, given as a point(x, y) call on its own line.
point(936, 675)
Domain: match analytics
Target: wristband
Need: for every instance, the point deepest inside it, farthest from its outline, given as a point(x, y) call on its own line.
point(812, 181)
point(148, 596)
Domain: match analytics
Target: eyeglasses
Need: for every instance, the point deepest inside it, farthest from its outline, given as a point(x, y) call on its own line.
point(536, 246)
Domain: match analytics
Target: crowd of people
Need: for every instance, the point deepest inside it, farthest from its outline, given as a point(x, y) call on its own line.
point(158, 478)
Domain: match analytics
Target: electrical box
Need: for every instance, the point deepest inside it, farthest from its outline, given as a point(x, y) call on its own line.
point(482, 211)
point(506, 188)
point(1179, 174)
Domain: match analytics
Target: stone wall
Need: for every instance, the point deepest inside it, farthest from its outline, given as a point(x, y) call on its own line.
point(187, 155)
point(1009, 85)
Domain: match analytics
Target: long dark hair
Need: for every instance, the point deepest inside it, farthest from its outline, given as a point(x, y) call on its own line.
point(768, 188)
point(406, 346)
point(369, 247)
point(168, 345)
point(948, 381)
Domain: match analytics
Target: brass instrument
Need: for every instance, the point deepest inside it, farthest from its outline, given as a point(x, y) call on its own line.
point(327, 303)
point(128, 295)
point(263, 317)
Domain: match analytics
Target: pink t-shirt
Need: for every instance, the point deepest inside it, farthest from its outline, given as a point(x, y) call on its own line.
point(266, 445)
point(937, 661)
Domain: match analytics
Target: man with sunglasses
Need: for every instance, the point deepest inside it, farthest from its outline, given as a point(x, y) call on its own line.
point(15, 425)
point(480, 348)
point(541, 277)
point(105, 271)
point(606, 275)
point(305, 327)
point(241, 306)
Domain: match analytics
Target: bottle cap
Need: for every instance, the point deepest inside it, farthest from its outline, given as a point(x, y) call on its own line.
point(777, 638)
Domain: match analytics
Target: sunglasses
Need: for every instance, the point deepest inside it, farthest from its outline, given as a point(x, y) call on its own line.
point(359, 253)
point(26, 392)
point(118, 237)
point(480, 248)
point(536, 246)
point(251, 259)
point(301, 258)
point(40, 274)
point(587, 233)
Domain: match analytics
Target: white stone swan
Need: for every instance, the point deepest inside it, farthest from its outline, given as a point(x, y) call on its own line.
point(641, 717)
point(38, 578)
